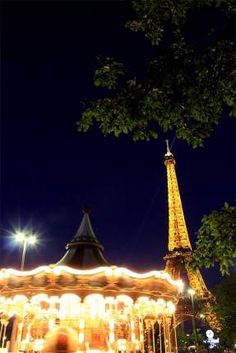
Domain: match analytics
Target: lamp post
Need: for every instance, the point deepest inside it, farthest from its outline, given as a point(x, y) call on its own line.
point(26, 239)
point(192, 292)
point(202, 317)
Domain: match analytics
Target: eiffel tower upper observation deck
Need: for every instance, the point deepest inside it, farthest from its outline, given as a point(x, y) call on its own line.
point(179, 246)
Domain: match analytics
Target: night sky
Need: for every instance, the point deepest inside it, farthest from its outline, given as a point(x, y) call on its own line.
point(49, 170)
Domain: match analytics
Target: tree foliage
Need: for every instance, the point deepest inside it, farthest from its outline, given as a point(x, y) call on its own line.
point(187, 82)
point(186, 341)
point(225, 309)
point(216, 240)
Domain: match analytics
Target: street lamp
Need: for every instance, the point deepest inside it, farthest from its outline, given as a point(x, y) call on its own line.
point(202, 317)
point(26, 239)
point(192, 292)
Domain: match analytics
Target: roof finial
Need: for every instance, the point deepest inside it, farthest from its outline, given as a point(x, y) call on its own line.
point(86, 209)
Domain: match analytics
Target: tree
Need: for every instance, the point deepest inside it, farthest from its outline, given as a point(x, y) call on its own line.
point(225, 309)
point(186, 341)
point(216, 240)
point(187, 82)
point(186, 85)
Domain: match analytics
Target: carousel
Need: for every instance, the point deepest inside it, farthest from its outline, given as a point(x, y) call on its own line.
point(111, 309)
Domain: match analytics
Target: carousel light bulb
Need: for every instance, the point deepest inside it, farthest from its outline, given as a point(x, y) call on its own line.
point(111, 337)
point(81, 324)
point(171, 308)
point(81, 337)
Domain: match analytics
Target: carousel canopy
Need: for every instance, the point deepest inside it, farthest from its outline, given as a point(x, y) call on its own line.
point(84, 251)
point(106, 280)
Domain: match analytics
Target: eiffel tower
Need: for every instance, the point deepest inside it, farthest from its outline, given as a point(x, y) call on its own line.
point(179, 245)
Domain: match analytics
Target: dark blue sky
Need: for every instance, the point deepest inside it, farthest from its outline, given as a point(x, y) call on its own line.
point(49, 170)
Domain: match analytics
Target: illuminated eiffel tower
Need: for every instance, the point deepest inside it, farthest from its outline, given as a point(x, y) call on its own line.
point(179, 246)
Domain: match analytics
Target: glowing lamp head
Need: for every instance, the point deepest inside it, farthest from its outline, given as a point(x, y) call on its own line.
point(191, 292)
point(32, 239)
point(20, 236)
point(25, 237)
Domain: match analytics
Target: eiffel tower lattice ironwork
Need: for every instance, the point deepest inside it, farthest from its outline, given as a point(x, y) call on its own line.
point(179, 246)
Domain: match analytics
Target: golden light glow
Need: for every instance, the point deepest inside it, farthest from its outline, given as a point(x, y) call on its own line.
point(38, 345)
point(104, 320)
point(111, 337)
point(178, 238)
point(108, 271)
point(69, 307)
point(170, 307)
point(81, 337)
point(81, 324)
point(38, 298)
point(178, 233)
point(124, 299)
point(20, 298)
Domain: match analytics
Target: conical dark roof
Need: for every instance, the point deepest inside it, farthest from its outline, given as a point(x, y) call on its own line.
point(84, 251)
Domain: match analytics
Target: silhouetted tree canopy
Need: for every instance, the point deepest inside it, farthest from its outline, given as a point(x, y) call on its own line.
point(225, 309)
point(216, 240)
point(187, 83)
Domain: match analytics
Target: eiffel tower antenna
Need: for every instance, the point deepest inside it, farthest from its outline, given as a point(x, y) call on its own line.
point(167, 147)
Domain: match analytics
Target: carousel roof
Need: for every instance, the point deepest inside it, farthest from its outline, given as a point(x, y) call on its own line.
point(107, 280)
point(84, 251)
point(83, 270)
